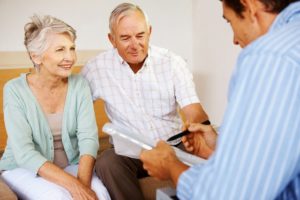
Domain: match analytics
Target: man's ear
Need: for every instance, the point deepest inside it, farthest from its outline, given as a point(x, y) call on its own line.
point(150, 30)
point(251, 8)
point(112, 39)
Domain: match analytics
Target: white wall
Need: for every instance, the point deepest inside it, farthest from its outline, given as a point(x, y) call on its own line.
point(214, 56)
point(171, 24)
point(192, 28)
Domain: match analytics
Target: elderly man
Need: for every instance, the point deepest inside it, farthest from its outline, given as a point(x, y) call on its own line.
point(141, 85)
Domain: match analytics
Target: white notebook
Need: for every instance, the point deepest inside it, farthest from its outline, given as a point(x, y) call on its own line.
point(130, 144)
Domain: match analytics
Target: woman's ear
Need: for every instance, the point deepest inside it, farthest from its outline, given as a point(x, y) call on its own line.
point(36, 58)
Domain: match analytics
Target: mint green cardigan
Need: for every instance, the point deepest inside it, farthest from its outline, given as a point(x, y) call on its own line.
point(30, 142)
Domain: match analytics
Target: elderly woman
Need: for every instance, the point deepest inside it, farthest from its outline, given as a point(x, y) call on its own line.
point(50, 121)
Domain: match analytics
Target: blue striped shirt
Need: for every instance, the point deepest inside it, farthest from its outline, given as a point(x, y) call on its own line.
point(258, 150)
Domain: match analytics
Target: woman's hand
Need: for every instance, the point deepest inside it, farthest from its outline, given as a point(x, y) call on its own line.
point(54, 174)
point(82, 192)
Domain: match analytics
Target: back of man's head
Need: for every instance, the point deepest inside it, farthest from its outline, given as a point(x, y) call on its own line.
point(272, 6)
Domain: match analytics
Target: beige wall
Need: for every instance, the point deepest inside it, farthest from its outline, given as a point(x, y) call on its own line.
point(20, 59)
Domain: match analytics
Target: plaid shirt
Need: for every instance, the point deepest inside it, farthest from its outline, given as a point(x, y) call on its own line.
point(146, 101)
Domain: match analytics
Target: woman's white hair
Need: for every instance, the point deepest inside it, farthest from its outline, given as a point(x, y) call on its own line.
point(37, 33)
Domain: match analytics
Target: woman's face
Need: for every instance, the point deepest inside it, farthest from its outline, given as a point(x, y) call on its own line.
point(59, 57)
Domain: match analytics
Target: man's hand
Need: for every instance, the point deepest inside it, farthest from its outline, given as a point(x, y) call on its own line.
point(162, 163)
point(201, 141)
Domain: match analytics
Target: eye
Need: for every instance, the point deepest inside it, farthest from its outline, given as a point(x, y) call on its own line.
point(60, 49)
point(124, 38)
point(72, 48)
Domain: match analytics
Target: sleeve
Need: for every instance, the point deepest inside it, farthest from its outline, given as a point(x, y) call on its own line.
point(185, 91)
point(89, 72)
point(20, 132)
point(258, 149)
point(87, 132)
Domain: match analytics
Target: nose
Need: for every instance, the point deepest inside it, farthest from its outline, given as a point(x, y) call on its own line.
point(235, 41)
point(133, 42)
point(70, 55)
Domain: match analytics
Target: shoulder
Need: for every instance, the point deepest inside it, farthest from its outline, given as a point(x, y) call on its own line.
point(282, 43)
point(16, 84)
point(101, 59)
point(164, 56)
point(163, 53)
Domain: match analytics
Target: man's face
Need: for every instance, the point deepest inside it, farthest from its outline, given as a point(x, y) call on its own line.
point(245, 29)
point(131, 38)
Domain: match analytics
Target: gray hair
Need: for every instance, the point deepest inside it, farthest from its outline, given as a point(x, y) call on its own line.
point(38, 30)
point(122, 10)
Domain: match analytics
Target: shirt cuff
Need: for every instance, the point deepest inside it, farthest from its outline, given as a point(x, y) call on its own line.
point(186, 181)
point(188, 101)
point(89, 148)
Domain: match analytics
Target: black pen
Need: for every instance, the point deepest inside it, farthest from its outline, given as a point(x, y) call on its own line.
point(179, 135)
point(186, 132)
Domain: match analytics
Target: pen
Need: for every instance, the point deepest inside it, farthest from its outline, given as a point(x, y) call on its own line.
point(183, 133)
point(174, 137)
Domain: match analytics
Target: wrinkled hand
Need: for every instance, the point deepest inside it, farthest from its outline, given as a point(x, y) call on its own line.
point(82, 192)
point(201, 141)
point(158, 160)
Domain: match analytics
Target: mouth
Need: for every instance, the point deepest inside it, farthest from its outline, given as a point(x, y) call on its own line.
point(135, 54)
point(66, 67)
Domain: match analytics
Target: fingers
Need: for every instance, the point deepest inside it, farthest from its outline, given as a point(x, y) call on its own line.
point(196, 127)
point(185, 125)
point(188, 144)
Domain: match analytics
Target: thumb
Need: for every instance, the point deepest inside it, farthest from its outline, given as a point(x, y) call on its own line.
point(196, 127)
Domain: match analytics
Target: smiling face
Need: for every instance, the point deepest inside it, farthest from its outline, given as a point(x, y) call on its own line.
point(131, 36)
point(245, 29)
point(59, 57)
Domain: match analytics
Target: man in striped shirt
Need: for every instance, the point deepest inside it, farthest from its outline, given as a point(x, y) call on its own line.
point(257, 154)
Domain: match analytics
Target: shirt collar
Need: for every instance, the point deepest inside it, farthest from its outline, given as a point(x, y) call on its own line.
point(286, 15)
point(123, 62)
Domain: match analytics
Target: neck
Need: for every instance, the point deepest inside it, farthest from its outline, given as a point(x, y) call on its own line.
point(48, 82)
point(135, 67)
point(266, 21)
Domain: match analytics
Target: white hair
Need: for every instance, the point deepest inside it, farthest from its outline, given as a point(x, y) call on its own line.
point(37, 33)
point(122, 10)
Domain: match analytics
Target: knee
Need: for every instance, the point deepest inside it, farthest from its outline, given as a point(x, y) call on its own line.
point(103, 162)
point(107, 162)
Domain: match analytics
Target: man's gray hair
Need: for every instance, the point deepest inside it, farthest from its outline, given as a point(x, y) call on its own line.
point(122, 10)
point(37, 32)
